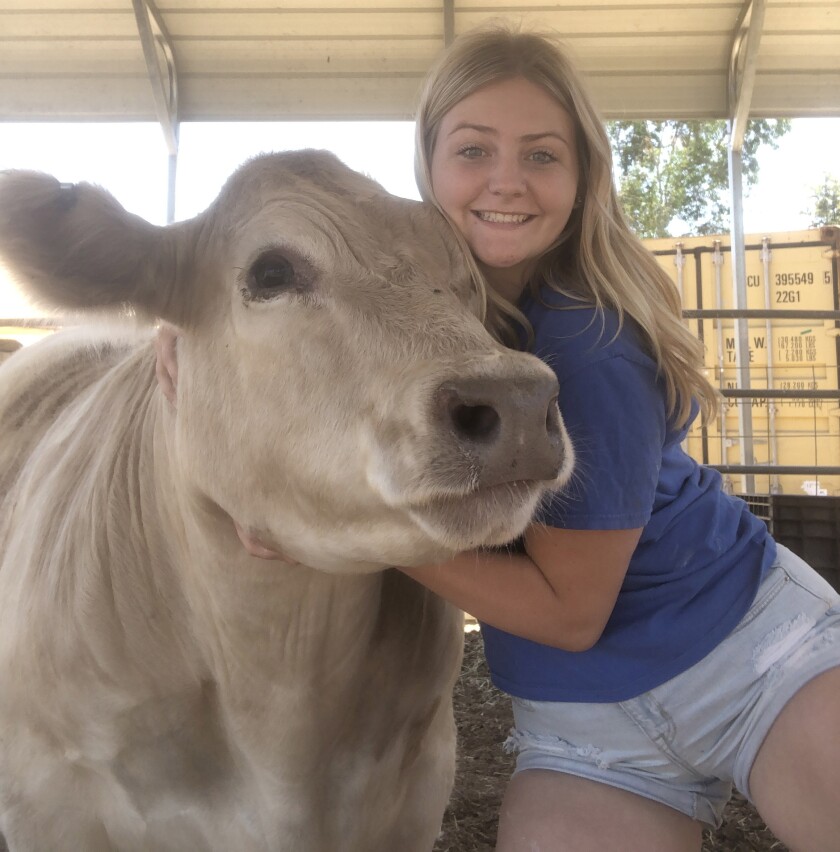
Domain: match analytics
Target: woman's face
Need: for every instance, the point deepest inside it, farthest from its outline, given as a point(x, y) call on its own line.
point(505, 170)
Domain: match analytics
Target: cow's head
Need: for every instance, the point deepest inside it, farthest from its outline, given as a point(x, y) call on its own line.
point(337, 396)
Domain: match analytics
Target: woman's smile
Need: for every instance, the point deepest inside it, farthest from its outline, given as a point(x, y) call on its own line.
point(496, 218)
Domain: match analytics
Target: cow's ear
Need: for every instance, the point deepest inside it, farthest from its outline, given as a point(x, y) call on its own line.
point(73, 247)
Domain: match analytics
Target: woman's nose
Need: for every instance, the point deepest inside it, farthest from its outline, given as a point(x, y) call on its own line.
point(507, 178)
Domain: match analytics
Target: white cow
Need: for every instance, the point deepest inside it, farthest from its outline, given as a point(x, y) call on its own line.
point(337, 401)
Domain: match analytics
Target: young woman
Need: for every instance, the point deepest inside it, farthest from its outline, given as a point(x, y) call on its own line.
point(658, 644)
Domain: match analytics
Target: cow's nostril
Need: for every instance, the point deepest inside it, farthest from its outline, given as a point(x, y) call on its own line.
point(552, 418)
point(477, 423)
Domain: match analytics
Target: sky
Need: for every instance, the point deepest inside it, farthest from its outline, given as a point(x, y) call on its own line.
point(130, 160)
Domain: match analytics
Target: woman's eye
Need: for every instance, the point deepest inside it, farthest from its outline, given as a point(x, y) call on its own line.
point(470, 152)
point(543, 157)
point(270, 275)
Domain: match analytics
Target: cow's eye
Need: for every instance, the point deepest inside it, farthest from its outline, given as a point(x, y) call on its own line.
point(270, 275)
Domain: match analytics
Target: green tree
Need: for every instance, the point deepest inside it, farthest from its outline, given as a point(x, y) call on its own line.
point(673, 175)
point(825, 206)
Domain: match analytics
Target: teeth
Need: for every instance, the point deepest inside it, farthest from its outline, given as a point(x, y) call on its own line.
point(502, 218)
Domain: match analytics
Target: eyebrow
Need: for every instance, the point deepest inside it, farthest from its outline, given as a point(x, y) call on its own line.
point(528, 137)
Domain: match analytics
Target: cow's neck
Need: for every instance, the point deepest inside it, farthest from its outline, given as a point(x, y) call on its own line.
point(313, 664)
point(264, 619)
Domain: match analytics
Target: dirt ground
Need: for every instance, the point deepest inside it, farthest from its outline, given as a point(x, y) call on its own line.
point(483, 717)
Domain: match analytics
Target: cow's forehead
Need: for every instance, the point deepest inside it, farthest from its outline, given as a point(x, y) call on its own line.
point(321, 177)
point(355, 206)
point(308, 172)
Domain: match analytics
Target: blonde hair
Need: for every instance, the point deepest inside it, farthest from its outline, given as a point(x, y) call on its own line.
point(597, 258)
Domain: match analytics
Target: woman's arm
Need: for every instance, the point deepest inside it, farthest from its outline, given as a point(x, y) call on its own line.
point(561, 593)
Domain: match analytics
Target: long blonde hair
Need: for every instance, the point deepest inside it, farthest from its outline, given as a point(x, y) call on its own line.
point(597, 258)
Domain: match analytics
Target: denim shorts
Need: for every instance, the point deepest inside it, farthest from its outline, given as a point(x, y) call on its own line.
point(686, 742)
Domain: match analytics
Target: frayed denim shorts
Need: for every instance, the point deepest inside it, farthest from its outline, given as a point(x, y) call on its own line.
point(686, 742)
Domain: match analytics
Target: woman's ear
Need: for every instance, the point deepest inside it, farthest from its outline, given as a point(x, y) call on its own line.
point(166, 366)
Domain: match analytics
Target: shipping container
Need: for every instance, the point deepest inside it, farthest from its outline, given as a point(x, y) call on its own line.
point(795, 433)
point(798, 356)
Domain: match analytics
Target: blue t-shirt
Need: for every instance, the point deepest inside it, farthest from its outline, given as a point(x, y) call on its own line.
point(702, 553)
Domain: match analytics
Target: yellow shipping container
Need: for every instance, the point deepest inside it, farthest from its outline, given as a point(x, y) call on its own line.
point(795, 271)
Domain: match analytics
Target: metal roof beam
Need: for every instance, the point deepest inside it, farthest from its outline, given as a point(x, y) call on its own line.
point(743, 60)
point(448, 22)
point(163, 75)
point(157, 46)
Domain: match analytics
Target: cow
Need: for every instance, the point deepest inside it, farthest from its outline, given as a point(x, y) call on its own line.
point(323, 391)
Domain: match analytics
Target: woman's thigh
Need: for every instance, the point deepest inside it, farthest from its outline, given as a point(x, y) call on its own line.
point(795, 779)
point(555, 812)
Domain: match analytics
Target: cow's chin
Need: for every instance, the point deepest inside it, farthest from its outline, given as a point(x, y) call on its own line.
point(483, 518)
point(416, 533)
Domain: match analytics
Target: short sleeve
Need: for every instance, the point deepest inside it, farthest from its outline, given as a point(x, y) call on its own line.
point(614, 410)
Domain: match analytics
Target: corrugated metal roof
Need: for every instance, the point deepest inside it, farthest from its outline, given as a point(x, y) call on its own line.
point(74, 60)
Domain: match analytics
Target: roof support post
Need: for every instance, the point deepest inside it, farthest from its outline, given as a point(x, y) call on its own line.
point(742, 65)
point(163, 76)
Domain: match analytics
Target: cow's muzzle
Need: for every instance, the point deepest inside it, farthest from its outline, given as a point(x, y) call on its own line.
point(509, 430)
